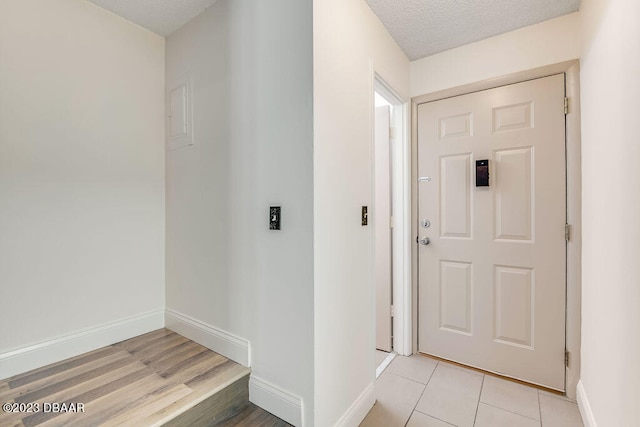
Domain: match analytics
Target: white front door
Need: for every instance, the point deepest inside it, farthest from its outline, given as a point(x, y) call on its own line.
point(492, 278)
point(382, 227)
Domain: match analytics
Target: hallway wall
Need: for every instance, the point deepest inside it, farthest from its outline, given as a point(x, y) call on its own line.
point(81, 181)
point(251, 66)
point(350, 44)
point(610, 91)
point(546, 43)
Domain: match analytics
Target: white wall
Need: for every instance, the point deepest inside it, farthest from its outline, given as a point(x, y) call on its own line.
point(549, 42)
point(251, 64)
point(81, 174)
point(349, 44)
point(610, 67)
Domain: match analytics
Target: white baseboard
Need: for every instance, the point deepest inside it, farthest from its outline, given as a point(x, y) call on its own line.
point(225, 343)
point(276, 400)
point(585, 407)
point(78, 342)
point(360, 408)
point(279, 402)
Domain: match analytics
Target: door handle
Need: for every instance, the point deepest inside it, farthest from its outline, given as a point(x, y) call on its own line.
point(424, 241)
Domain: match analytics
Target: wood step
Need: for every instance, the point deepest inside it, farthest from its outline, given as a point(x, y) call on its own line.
point(252, 416)
point(159, 378)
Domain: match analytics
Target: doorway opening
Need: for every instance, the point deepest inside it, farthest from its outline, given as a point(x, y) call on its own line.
point(391, 225)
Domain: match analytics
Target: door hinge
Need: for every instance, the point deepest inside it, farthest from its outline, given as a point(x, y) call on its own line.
point(392, 312)
point(391, 222)
point(566, 357)
point(567, 232)
point(566, 105)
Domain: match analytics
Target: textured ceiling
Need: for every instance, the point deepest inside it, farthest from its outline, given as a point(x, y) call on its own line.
point(420, 27)
point(160, 16)
point(425, 27)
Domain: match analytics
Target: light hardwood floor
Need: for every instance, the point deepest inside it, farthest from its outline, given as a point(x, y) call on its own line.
point(147, 380)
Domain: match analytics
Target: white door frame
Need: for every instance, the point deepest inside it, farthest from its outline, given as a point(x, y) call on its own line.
point(574, 201)
point(401, 208)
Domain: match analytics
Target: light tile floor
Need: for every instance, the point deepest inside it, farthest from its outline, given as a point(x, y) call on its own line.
point(418, 391)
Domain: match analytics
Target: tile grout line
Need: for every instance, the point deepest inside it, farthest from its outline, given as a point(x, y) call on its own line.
point(478, 404)
point(421, 394)
point(512, 412)
point(435, 418)
point(407, 378)
point(539, 408)
point(557, 396)
point(414, 406)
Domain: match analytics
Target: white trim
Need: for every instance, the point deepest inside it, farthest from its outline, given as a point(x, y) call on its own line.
point(402, 293)
point(585, 407)
point(231, 346)
point(386, 362)
point(360, 408)
point(574, 217)
point(64, 346)
point(401, 207)
point(276, 400)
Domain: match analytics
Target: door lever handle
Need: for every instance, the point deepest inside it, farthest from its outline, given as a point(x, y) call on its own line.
point(424, 241)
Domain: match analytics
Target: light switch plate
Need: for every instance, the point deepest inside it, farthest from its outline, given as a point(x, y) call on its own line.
point(274, 218)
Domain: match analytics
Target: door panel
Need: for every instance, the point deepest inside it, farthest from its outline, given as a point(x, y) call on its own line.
point(514, 305)
point(513, 193)
point(455, 296)
point(455, 193)
point(512, 117)
point(492, 279)
point(456, 126)
point(382, 228)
